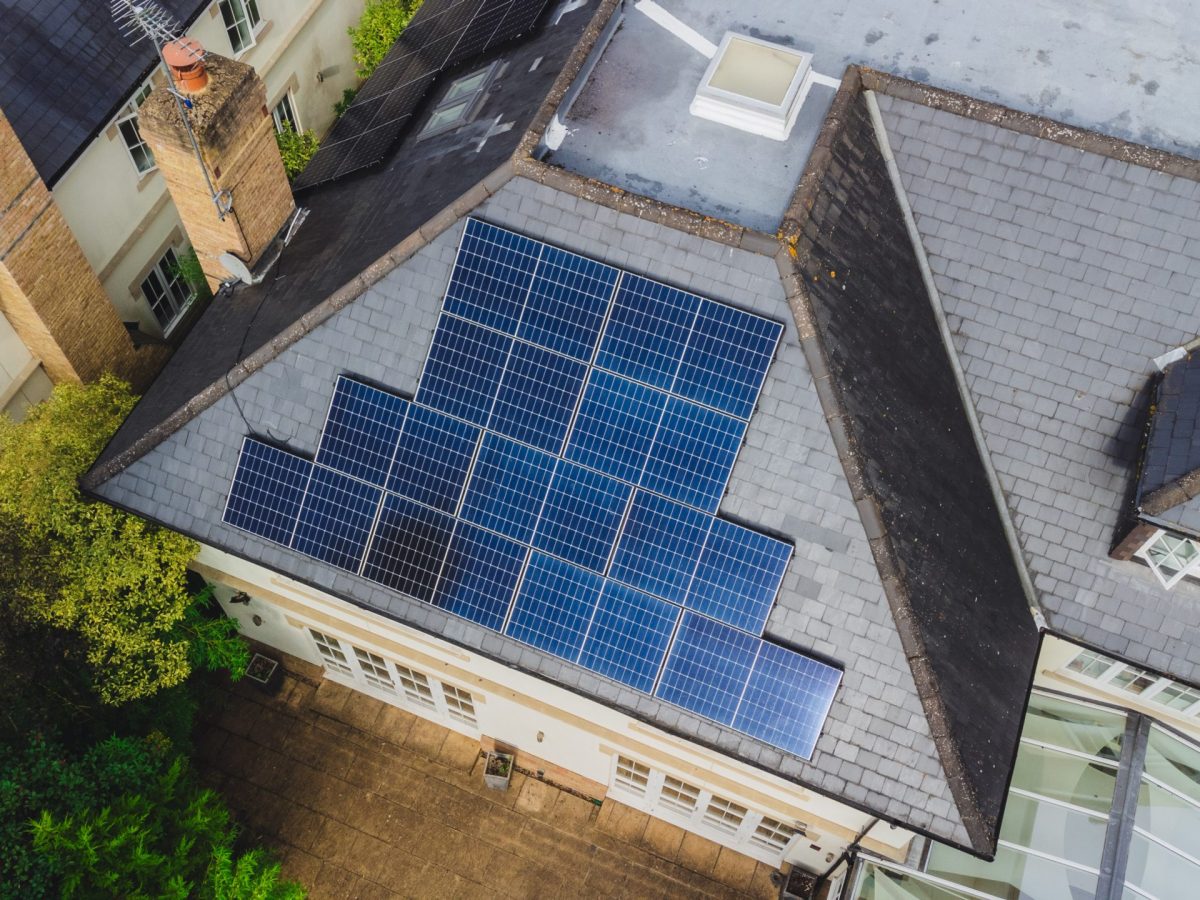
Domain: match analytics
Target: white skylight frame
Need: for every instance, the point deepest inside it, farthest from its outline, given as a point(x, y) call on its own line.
point(1169, 567)
point(747, 113)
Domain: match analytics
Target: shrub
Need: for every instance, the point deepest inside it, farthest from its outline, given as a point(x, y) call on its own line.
point(339, 108)
point(187, 267)
point(380, 25)
point(296, 149)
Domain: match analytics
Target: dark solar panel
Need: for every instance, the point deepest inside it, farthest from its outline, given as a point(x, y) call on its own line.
point(432, 458)
point(567, 303)
point(508, 487)
point(409, 547)
point(267, 489)
point(480, 575)
point(647, 331)
point(727, 356)
point(361, 430)
point(738, 576)
point(491, 276)
point(707, 667)
point(335, 519)
point(554, 606)
point(615, 426)
point(581, 516)
point(660, 546)
point(787, 698)
point(628, 636)
point(537, 397)
point(463, 370)
point(693, 454)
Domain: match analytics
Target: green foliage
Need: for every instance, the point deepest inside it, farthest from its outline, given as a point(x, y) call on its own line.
point(295, 149)
point(252, 876)
point(348, 95)
point(187, 266)
point(380, 25)
point(94, 584)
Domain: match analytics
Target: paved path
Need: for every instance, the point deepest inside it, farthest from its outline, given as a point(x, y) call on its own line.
point(362, 799)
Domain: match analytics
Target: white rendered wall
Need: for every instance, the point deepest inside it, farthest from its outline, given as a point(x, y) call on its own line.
point(23, 382)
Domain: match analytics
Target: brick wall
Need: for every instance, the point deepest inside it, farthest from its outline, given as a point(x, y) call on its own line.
point(236, 136)
point(49, 292)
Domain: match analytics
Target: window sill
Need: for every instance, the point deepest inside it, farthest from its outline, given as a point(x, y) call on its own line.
point(145, 178)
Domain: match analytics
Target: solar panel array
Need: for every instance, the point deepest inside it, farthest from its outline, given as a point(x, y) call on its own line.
point(556, 478)
point(442, 34)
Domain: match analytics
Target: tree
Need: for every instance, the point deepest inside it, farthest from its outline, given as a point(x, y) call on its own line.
point(84, 580)
point(380, 25)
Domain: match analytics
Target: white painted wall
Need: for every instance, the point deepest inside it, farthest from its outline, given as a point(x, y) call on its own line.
point(23, 382)
point(578, 733)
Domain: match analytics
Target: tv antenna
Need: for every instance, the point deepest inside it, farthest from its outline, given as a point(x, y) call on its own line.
point(142, 20)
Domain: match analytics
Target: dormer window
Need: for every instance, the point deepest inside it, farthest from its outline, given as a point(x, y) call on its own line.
point(1170, 557)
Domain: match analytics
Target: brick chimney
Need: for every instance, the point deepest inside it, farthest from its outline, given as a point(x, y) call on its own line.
point(236, 137)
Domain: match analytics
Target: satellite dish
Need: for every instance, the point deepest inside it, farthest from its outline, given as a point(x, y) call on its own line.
point(235, 267)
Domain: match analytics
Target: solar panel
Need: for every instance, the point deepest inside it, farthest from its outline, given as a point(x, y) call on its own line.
point(581, 516)
point(409, 547)
point(554, 606)
point(335, 518)
point(693, 454)
point(360, 431)
point(567, 303)
point(628, 636)
point(442, 34)
point(491, 276)
point(267, 489)
point(537, 397)
point(615, 426)
point(728, 353)
point(660, 546)
point(787, 699)
point(738, 576)
point(480, 575)
point(707, 667)
point(508, 487)
point(647, 331)
point(463, 370)
point(432, 457)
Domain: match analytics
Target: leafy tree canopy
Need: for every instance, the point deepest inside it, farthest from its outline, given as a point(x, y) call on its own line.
point(380, 25)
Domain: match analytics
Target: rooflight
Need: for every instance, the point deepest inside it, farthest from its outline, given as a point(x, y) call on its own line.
point(1169, 557)
point(755, 86)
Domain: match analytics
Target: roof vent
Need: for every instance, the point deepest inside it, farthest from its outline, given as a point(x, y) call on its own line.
point(185, 58)
point(755, 86)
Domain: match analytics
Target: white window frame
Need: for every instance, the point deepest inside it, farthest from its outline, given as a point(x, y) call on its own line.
point(1108, 678)
point(235, 14)
point(652, 799)
point(176, 293)
point(467, 102)
point(129, 117)
point(1169, 581)
point(293, 116)
point(329, 649)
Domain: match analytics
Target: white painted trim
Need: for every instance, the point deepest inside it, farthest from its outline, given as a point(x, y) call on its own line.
point(685, 33)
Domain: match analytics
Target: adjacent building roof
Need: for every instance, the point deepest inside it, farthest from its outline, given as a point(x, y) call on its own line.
point(1170, 467)
point(65, 71)
point(946, 435)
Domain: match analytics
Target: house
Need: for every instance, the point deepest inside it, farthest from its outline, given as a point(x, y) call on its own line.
point(82, 188)
point(801, 492)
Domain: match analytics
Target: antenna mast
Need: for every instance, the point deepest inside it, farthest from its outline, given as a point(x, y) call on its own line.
point(145, 20)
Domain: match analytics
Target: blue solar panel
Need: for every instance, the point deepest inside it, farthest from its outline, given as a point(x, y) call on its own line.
point(739, 575)
point(360, 431)
point(554, 606)
point(647, 331)
point(491, 276)
point(787, 699)
point(616, 423)
point(693, 454)
point(727, 357)
point(537, 397)
point(463, 370)
point(660, 546)
point(707, 667)
point(508, 487)
point(582, 516)
point(628, 637)
point(480, 576)
point(266, 492)
point(409, 547)
point(335, 520)
point(567, 303)
point(432, 458)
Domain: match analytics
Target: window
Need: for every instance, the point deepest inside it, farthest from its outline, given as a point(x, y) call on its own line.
point(632, 776)
point(285, 111)
point(165, 290)
point(459, 704)
point(773, 834)
point(127, 125)
point(241, 21)
point(331, 651)
point(374, 670)
point(679, 795)
point(1129, 679)
point(724, 815)
point(416, 687)
point(460, 103)
point(1170, 557)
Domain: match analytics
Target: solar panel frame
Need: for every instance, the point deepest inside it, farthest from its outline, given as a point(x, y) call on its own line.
point(336, 518)
point(615, 426)
point(537, 396)
point(693, 454)
point(582, 516)
point(361, 429)
point(479, 354)
point(479, 576)
point(433, 454)
point(787, 699)
point(269, 512)
point(707, 667)
point(660, 546)
point(507, 487)
point(738, 575)
point(554, 606)
point(628, 636)
point(408, 547)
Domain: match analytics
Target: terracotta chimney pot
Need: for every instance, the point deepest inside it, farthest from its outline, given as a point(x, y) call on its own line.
point(185, 58)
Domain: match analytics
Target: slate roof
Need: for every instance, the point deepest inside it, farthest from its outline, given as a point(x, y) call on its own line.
point(65, 71)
